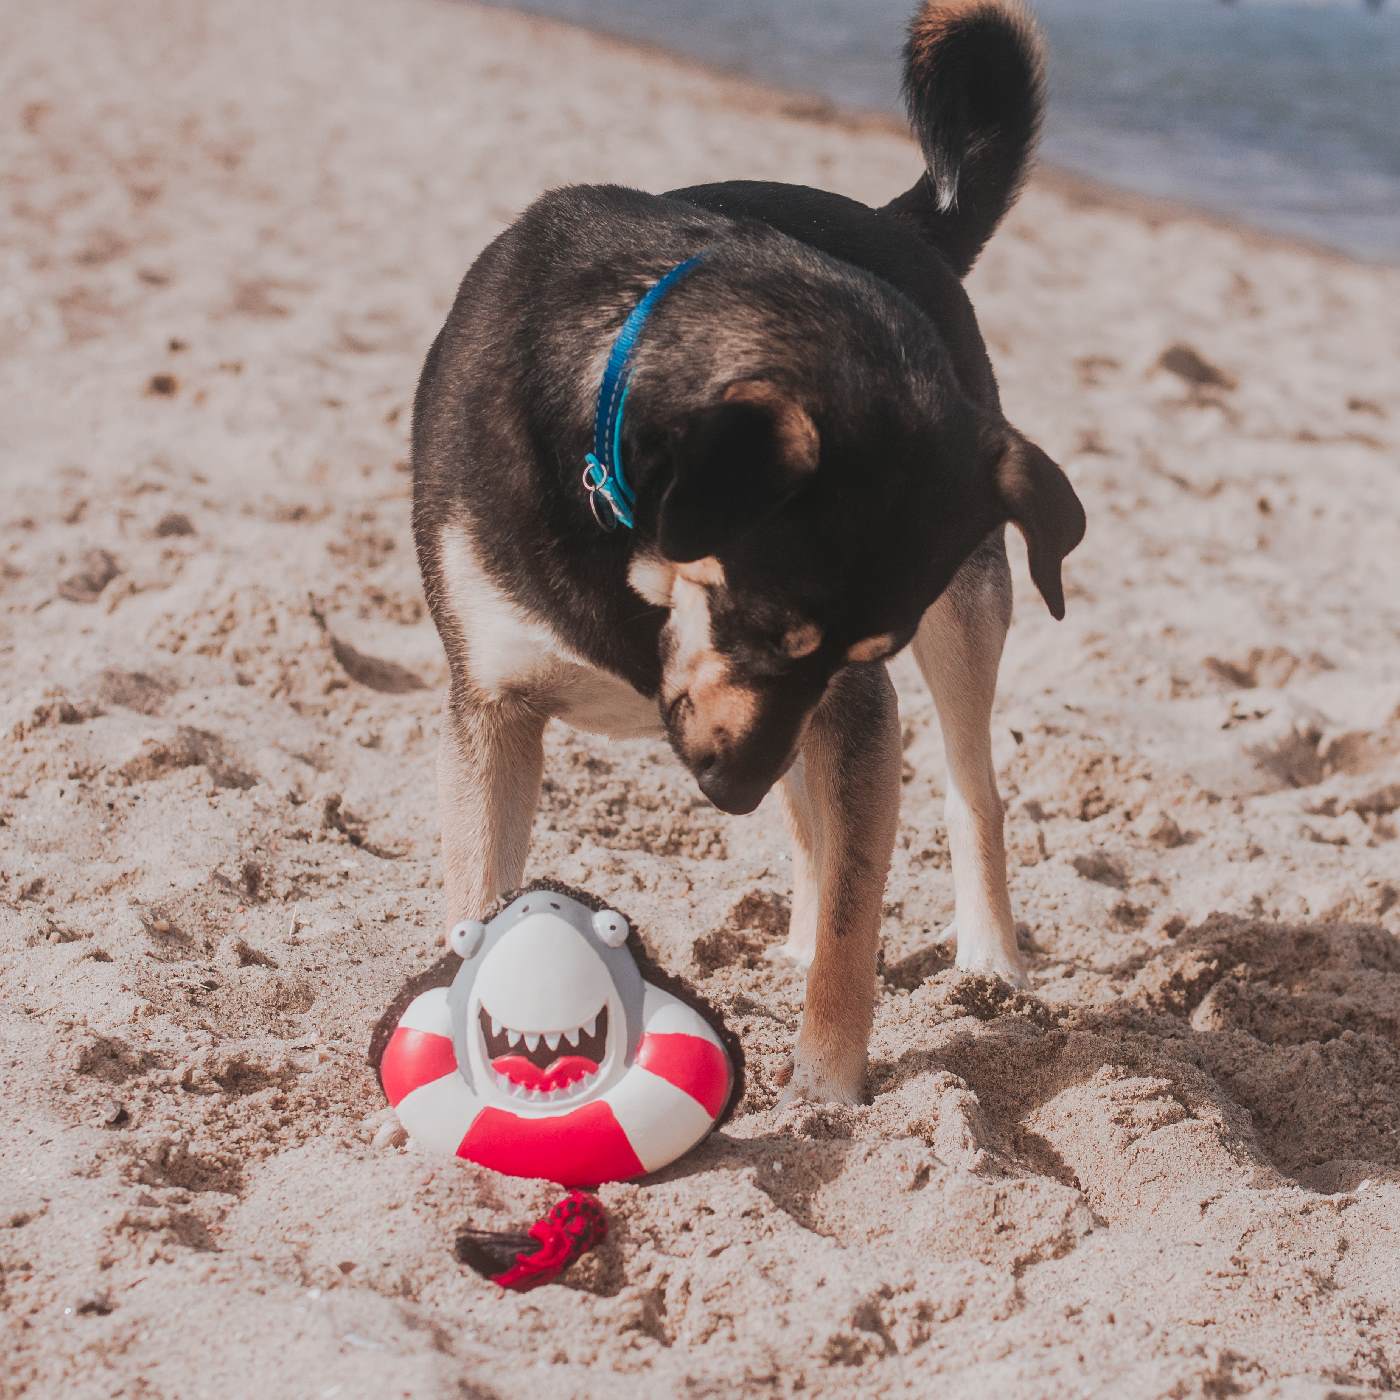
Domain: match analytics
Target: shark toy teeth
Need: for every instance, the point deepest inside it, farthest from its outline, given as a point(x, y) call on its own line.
point(549, 1067)
point(550, 1055)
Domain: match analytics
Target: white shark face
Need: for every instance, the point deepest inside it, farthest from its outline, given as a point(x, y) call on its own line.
point(546, 1029)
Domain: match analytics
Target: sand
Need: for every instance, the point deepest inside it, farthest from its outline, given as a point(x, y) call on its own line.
point(1171, 1168)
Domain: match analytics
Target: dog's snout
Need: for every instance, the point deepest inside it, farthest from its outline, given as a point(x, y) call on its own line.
point(732, 792)
point(736, 736)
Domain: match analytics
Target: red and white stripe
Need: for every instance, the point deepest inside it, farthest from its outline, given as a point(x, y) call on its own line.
point(663, 1105)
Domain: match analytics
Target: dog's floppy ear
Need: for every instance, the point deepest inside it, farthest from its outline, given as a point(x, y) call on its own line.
point(1040, 502)
point(735, 462)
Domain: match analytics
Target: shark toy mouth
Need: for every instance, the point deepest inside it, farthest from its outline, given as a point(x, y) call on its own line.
point(540, 1067)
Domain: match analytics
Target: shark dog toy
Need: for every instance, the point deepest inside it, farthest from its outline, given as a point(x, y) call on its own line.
point(551, 1055)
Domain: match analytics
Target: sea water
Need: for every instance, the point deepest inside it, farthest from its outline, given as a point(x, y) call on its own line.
point(1280, 113)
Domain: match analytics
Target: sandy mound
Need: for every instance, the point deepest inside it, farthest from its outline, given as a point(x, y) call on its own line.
point(1172, 1169)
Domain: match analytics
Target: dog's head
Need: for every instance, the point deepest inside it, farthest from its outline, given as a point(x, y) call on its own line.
point(790, 542)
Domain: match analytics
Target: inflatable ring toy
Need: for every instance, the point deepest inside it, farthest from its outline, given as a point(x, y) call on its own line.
point(551, 1055)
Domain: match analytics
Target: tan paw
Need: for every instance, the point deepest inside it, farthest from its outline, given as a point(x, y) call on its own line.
point(829, 1079)
point(995, 962)
point(385, 1130)
point(791, 954)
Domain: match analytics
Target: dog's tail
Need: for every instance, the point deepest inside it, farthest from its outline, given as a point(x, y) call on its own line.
point(974, 84)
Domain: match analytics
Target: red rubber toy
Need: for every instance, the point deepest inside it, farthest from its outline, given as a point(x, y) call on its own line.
point(521, 1262)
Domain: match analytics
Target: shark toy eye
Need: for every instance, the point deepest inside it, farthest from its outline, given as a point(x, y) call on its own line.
point(611, 927)
point(466, 937)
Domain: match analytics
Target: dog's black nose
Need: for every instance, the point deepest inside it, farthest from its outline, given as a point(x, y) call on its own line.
point(731, 792)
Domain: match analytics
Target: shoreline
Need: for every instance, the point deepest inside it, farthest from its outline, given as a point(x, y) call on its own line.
point(803, 104)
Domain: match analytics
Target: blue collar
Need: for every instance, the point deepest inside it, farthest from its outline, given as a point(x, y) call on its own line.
point(603, 476)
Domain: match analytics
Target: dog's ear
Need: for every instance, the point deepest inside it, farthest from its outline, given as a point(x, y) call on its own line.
point(1040, 502)
point(735, 462)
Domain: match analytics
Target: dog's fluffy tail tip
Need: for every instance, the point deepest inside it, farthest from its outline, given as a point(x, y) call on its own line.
point(974, 84)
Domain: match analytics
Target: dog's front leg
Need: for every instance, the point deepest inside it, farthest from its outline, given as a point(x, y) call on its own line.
point(958, 648)
point(490, 761)
point(843, 801)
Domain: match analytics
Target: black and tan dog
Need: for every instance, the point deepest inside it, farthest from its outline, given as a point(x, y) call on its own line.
point(817, 474)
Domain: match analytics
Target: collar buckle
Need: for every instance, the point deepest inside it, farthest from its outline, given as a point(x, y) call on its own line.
point(601, 487)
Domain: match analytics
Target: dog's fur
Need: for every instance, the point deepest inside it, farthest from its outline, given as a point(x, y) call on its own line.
point(822, 474)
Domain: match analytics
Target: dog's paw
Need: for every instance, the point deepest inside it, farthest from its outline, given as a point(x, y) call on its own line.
point(830, 1079)
point(995, 962)
point(384, 1130)
point(988, 954)
point(790, 954)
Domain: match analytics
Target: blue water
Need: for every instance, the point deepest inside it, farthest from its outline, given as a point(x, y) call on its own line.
point(1281, 113)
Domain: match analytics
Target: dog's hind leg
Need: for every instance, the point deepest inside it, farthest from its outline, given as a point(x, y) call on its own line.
point(958, 648)
point(490, 761)
point(843, 802)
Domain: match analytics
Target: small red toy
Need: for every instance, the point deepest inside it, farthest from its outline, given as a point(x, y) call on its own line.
point(521, 1262)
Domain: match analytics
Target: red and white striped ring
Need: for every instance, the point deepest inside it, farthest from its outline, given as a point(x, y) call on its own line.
point(669, 1096)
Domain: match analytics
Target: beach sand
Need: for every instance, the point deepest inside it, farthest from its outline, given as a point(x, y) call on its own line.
point(1171, 1168)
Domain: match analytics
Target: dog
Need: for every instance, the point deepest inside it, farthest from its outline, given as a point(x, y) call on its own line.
point(800, 466)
